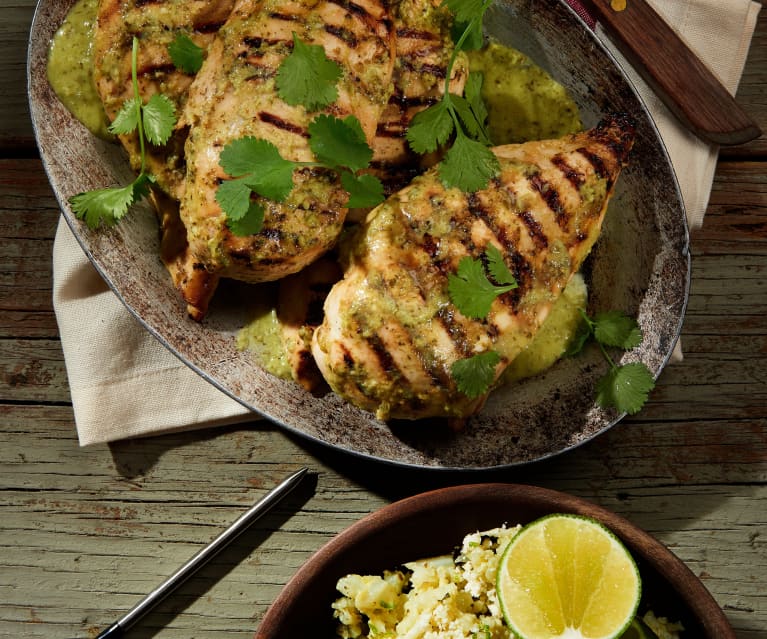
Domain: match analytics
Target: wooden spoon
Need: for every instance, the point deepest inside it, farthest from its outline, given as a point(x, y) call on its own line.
point(675, 73)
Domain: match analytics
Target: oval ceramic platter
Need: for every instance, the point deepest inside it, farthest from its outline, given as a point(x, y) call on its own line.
point(640, 265)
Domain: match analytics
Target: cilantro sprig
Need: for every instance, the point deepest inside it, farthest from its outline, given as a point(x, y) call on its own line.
point(258, 169)
point(470, 289)
point(469, 163)
point(472, 292)
point(626, 387)
point(154, 122)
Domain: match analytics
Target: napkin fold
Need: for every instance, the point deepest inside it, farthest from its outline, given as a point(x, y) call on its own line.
point(124, 383)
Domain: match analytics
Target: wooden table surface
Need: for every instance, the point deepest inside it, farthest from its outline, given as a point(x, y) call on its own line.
point(85, 532)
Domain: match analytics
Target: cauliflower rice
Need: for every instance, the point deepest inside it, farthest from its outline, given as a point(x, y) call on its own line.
point(442, 597)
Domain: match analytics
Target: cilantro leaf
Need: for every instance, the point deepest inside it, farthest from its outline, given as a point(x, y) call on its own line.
point(625, 388)
point(468, 165)
point(102, 206)
point(470, 290)
point(260, 165)
point(578, 341)
point(107, 206)
point(126, 119)
point(474, 375)
point(614, 328)
point(430, 128)
point(159, 118)
point(465, 10)
point(364, 190)
point(233, 196)
point(337, 142)
point(248, 154)
point(307, 77)
point(497, 267)
point(250, 223)
point(185, 54)
point(473, 92)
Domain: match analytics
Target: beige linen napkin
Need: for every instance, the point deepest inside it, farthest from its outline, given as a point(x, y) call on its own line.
point(126, 384)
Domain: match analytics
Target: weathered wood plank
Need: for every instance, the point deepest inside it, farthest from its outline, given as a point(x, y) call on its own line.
point(751, 93)
point(32, 371)
point(15, 125)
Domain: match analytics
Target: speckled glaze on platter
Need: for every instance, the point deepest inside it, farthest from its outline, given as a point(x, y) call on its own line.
point(640, 265)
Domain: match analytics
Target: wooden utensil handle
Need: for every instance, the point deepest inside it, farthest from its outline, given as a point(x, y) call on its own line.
point(675, 73)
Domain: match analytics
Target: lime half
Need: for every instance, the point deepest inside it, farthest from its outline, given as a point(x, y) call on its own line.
point(567, 577)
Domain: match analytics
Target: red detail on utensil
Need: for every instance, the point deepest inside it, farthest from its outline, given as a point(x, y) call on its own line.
point(576, 6)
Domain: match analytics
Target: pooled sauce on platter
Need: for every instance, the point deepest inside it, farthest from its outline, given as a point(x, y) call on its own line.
point(70, 67)
point(524, 103)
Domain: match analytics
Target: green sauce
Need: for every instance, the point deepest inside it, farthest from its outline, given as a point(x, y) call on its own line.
point(70, 67)
point(523, 101)
point(262, 335)
point(554, 335)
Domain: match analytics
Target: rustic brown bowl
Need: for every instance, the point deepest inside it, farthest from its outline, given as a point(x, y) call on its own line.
point(435, 522)
point(640, 266)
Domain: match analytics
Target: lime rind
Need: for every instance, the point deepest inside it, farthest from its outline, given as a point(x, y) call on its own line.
point(548, 604)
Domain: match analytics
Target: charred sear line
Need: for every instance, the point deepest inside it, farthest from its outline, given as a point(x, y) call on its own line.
point(353, 8)
point(446, 317)
point(346, 36)
point(575, 177)
point(208, 27)
point(253, 44)
point(285, 17)
point(600, 170)
point(384, 357)
point(154, 70)
point(145, 3)
point(431, 69)
point(534, 229)
point(277, 121)
point(404, 101)
point(417, 34)
point(550, 195)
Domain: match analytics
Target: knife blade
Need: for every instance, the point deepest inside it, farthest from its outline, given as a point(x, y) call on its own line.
point(671, 69)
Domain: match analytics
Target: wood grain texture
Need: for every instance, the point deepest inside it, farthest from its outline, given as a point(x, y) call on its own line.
point(86, 532)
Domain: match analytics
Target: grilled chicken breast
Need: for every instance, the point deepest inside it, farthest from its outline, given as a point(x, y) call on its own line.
point(156, 24)
point(234, 95)
point(423, 50)
point(391, 334)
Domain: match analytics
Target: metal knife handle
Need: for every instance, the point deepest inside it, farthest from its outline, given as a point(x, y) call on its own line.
point(675, 73)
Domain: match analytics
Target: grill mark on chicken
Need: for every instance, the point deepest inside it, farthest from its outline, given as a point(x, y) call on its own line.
point(534, 229)
point(596, 162)
point(353, 8)
point(345, 35)
point(575, 177)
point(446, 317)
point(208, 27)
point(285, 17)
point(417, 34)
point(385, 359)
point(550, 195)
point(277, 121)
point(438, 71)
